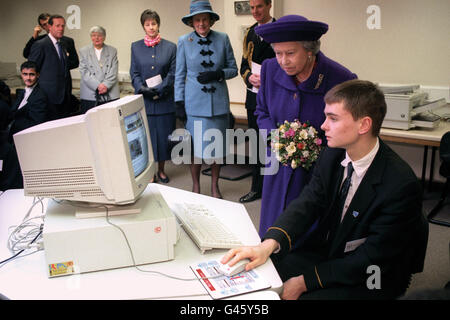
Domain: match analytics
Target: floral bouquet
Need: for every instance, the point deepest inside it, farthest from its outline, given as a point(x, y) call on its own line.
point(296, 144)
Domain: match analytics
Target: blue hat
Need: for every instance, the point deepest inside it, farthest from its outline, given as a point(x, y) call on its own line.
point(291, 28)
point(197, 7)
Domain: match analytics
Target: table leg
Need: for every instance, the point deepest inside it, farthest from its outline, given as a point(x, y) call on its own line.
point(433, 157)
point(424, 164)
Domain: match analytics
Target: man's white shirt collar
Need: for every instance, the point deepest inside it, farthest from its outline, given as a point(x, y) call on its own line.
point(364, 163)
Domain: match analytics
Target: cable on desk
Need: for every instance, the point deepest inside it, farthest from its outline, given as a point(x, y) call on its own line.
point(131, 251)
point(19, 238)
point(2, 263)
point(150, 271)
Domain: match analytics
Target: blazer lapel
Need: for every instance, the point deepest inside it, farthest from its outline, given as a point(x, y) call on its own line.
point(19, 98)
point(361, 201)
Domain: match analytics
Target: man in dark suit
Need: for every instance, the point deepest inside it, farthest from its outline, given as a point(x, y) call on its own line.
point(29, 109)
point(67, 42)
point(255, 50)
point(51, 57)
point(371, 234)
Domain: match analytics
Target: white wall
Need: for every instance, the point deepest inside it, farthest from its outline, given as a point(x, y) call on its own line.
point(412, 45)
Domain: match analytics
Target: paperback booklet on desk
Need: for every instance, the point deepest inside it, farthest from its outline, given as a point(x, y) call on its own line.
point(220, 286)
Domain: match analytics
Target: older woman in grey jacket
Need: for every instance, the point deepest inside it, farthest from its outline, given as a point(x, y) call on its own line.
point(98, 70)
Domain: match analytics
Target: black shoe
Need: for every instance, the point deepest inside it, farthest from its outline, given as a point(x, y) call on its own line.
point(251, 196)
point(163, 180)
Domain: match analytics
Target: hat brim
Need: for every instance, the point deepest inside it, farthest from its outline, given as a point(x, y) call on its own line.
point(292, 31)
point(186, 18)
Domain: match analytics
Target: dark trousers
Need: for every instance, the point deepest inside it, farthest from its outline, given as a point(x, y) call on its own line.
point(257, 178)
point(294, 264)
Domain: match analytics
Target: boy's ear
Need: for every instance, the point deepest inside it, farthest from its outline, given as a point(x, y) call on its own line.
point(365, 125)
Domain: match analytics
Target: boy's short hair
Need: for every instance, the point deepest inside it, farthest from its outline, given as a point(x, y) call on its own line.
point(361, 98)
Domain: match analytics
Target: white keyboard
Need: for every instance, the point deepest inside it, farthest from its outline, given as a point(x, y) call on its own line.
point(205, 229)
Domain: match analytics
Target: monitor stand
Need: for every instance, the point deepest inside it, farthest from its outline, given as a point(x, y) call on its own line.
point(92, 210)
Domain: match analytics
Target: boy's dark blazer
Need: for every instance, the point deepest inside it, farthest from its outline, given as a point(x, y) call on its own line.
point(34, 112)
point(385, 213)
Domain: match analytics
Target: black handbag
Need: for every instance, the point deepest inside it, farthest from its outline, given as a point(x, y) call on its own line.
point(101, 98)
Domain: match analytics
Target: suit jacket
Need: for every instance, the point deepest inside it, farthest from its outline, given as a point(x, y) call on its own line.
point(67, 43)
point(385, 214)
point(194, 55)
point(34, 112)
point(147, 62)
point(55, 77)
point(254, 50)
point(93, 72)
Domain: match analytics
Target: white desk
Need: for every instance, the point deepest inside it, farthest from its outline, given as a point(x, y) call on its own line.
point(26, 277)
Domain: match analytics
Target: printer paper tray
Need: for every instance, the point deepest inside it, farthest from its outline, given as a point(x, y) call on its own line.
point(425, 124)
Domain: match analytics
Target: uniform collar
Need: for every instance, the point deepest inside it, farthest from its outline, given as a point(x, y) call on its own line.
point(364, 163)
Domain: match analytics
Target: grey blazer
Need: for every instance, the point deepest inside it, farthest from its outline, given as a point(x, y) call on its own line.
point(93, 72)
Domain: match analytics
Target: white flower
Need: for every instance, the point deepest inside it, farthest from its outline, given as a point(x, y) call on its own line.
point(303, 134)
point(294, 125)
point(291, 149)
point(278, 146)
point(312, 131)
point(305, 153)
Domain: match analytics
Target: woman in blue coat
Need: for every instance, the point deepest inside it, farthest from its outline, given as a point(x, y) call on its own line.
point(293, 85)
point(205, 60)
point(152, 71)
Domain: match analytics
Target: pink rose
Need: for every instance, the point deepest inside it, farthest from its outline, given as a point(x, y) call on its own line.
point(290, 133)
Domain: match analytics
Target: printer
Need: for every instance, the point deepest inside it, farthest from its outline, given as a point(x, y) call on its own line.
point(408, 107)
point(75, 244)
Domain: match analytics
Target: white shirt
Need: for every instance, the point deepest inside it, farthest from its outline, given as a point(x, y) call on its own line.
point(54, 42)
point(360, 166)
point(24, 101)
point(98, 53)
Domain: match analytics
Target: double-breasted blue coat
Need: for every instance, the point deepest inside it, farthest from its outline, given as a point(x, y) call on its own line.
point(207, 105)
point(196, 54)
point(280, 99)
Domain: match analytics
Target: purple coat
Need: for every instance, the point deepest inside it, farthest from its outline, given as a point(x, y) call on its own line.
point(279, 99)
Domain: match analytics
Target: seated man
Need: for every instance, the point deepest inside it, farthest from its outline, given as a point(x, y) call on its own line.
point(371, 234)
point(29, 109)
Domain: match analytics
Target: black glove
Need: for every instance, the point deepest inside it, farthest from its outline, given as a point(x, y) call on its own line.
point(180, 111)
point(147, 92)
point(209, 76)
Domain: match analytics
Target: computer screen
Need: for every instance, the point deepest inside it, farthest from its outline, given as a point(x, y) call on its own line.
point(137, 141)
point(103, 156)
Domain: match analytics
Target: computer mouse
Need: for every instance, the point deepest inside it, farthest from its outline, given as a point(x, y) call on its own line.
point(228, 271)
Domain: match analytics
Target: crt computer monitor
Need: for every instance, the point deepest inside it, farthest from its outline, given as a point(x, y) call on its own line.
point(104, 156)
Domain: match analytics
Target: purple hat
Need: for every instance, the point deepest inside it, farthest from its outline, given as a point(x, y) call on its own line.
point(291, 28)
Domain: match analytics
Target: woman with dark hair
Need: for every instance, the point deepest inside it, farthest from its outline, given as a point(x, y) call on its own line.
point(152, 71)
point(205, 60)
